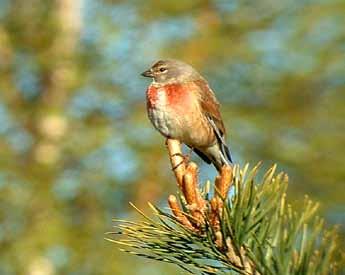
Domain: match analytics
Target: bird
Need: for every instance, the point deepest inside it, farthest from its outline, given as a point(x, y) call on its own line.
point(181, 105)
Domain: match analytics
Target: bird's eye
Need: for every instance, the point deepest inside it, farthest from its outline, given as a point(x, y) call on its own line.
point(162, 70)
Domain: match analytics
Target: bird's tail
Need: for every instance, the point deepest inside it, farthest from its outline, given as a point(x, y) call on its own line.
point(224, 157)
point(216, 154)
point(225, 154)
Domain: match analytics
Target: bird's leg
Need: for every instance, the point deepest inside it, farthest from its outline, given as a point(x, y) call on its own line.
point(175, 155)
point(185, 160)
point(181, 162)
point(177, 165)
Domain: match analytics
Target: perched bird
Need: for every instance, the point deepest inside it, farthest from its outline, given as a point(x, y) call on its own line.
point(182, 106)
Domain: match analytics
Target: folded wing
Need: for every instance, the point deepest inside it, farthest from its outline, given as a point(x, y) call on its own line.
point(210, 106)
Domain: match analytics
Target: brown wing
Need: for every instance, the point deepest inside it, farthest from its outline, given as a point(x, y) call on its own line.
point(210, 106)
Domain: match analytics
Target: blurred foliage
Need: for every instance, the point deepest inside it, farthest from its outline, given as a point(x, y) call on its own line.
point(75, 142)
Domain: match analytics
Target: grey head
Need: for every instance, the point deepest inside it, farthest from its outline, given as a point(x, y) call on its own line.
point(171, 71)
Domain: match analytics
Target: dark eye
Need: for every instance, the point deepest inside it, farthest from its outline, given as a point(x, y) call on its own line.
point(162, 70)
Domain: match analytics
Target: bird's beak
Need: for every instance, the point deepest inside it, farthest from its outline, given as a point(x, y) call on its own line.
point(147, 73)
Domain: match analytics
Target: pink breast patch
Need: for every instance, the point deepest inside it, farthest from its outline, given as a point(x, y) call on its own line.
point(174, 94)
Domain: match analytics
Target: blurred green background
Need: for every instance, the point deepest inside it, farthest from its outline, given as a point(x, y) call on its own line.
point(76, 145)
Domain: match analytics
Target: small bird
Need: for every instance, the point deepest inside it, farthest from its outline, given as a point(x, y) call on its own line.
point(182, 106)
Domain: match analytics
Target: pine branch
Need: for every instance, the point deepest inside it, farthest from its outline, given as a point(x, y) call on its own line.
point(253, 231)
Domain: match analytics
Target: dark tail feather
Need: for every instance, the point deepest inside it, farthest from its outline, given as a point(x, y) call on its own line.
point(226, 156)
point(225, 149)
point(202, 156)
point(209, 161)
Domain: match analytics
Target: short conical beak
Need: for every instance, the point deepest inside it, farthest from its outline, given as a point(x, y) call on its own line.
point(147, 73)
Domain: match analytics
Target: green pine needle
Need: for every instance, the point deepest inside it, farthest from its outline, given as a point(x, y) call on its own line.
point(256, 218)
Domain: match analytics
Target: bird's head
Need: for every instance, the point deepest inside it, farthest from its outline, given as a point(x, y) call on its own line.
point(171, 71)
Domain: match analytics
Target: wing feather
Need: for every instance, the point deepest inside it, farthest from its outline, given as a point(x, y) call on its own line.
point(210, 106)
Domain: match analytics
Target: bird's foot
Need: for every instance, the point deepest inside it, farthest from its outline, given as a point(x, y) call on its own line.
point(178, 155)
point(177, 165)
point(184, 161)
point(186, 158)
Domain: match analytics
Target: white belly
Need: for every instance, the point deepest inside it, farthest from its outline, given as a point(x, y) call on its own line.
point(163, 118)
point(164, 122)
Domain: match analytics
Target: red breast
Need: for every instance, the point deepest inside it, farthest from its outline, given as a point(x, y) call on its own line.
point(173, 95)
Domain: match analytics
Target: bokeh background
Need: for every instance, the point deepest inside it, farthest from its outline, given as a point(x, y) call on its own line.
point(76, 145)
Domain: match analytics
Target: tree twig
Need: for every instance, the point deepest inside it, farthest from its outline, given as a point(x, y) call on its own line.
point(200, 209)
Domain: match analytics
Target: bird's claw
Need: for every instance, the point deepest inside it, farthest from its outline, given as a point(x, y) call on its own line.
point(185, 160)
point(177, 165)
point(178, 155)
